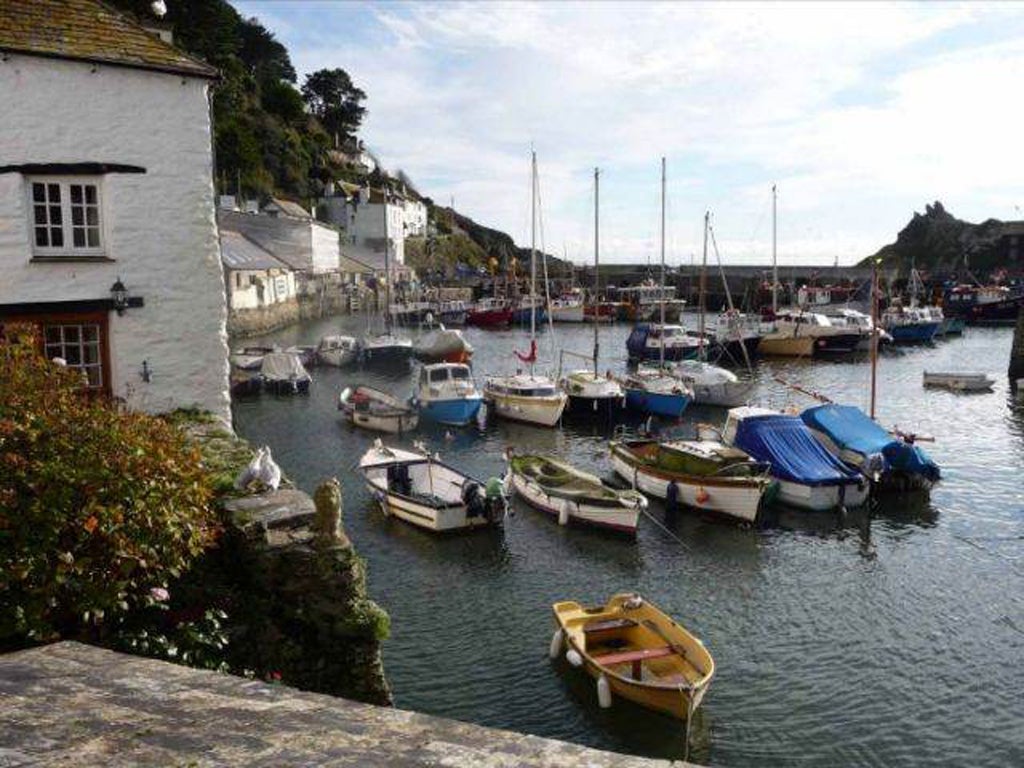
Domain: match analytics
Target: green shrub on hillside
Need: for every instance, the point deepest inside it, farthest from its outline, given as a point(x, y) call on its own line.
point(99, 509)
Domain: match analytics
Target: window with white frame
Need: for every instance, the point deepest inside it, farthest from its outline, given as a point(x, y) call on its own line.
point(78, 345)
point(66, 216)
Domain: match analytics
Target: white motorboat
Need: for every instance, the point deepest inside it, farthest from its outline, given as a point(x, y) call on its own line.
point(959, 382)
point(447, 344)
point(422, 490)
point(809, 476)
point(446, 394)
point(807, 334)
point(338, 351)
point(377, 410)
point(284, 374)
point(844, 317)
point(525, 397)
point(711, 384)
point(386, 350)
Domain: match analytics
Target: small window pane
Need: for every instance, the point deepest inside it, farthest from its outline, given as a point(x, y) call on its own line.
point(42, 238)
point(91, 333)
point(94, 238)
point(40, 211)
point(54, 192)
point(92, 216)
point(92, 353)
point(39, 192)
point(55, 217)
point(78, 238)
point(52, 334)
point(57, 238)
point(70, 334)
point(77, 217)
point(90, 194)
point(76, 193)
point(73, 354)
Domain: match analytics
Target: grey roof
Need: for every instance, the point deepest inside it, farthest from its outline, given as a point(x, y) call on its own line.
point(288, 208)
point(239, 252)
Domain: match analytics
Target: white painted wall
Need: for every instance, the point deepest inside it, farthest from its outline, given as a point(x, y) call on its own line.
point(244, 287)
point(160, 225)
point(326, 248)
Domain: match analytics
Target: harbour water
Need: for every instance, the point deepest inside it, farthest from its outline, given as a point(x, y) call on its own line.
point(894, 636)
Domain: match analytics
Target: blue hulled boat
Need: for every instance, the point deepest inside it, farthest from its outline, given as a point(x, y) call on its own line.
point(910, 325)
point(892, 463)
point(656, 393)
point(446, 394)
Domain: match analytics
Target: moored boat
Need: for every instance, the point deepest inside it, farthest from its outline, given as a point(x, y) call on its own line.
point(891, 462)
point(593, 397)
point(573, 496)
point(528, 306)
point(809, 476)
point(385, 351)
point(633, 650)
point(422, 490)
point(984, 304)
point(443, 344)
point(656, 393)
point(654, 341)
point(446, 394)
point(910, 325)
point(377, 410)
point(567, 308)
point(710, 384)
point(490, 313)
point(525, 397)
point(807, 334)
point(284, 374)
point(959, 381)
point(337, 350)
point(704, 474)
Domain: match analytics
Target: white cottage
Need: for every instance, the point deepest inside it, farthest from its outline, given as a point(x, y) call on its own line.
point(106, 184)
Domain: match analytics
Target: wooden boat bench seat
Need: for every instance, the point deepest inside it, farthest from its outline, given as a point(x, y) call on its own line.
point(607, 624)
point(636, 658)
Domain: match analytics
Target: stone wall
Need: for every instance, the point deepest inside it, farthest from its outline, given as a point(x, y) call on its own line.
point(260, 320)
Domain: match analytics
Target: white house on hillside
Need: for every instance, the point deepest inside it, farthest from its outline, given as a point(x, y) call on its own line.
point(108, 238)
point(255, 279)
point(368, 219)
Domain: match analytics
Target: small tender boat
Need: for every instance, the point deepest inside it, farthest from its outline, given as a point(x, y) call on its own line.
point(338, 351)
point(809, 476)
point(420, 489)
point(959, 382)
point(593, 397)
point(704, 474)
point(386, 350)
point(445, 344)
point(573, 496)
point(656, 393)
point(892, 463)
point(635, 651)
point(446, 394)
point(711, 385)
point(284, 374)
point(525, 397)
point(490, 313)
point(250, 358)
point(376, 410)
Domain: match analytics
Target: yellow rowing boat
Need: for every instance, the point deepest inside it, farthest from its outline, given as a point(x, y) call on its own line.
point(635, 651)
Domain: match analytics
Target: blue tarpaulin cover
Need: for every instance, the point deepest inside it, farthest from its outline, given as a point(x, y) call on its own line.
point(794, 453)
point(850, 428)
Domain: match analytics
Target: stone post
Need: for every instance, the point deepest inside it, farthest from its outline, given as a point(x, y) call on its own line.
point(1016, 369)
point(328, 529)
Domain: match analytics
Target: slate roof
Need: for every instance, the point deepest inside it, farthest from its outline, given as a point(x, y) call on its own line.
point(288, 208)
point(239, 252)
point(89, 30)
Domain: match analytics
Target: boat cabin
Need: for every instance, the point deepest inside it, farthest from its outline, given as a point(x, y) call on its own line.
point(446, 378)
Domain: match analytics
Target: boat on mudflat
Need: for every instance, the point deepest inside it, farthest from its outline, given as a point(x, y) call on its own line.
point(809, 476)
point(635, 651)
point(377, 410)
point(704, 474)
point(422, 490)
point(573, 496)
point(891, 462)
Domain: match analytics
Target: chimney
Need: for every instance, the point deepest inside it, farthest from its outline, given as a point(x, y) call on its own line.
point(157, 24)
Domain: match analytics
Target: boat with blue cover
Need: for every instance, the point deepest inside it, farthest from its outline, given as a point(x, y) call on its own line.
point(446, 394)
point(891, 462)
point(809, 476)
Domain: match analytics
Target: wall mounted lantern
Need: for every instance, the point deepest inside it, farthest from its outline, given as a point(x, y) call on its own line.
point(120, 296)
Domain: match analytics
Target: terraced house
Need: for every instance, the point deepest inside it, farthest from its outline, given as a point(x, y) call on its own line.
point(108, 234)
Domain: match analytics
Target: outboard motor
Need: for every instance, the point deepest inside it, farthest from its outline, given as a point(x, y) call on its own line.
point(636, 343)
point(473, 499)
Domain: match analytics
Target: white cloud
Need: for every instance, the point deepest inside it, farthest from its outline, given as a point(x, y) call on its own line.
point(861, 112)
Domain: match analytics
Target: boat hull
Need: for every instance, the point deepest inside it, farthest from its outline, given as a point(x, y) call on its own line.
point(727, 394)
point(522, 316)
point(456, 412)
point(737, 498)
point(573, 314)
point(787, 346)
point(540, 411)
point(391, 425)
point(953, 326)
point(441, 520)
point(598, 409)
point(389, 356)
point(610, 518)
point(822, 498)
point(489, 318)
point(339, 358)
point(657, 403)
point(918, 333)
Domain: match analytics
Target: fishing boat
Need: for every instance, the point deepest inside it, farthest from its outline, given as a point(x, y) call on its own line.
point(443, 344)
point(424, 491)
point(527, 397)
point(649, 300)
point(807, 334)
point(635, 651)
point(984, 304)
point(284, 374)
point(591, 395)
point(446, 394)
point(656, 393)
point(891, 462)
point(529, 309)
point(338, 351)
point(845, 317)
point(448, 313)
point(704, 474)
point(711, 384)
point(567, 308)
point(809, 476)
point(959, 381)
point(490, 313)
point(909, 325)
point(377, 410)
point(573, 496)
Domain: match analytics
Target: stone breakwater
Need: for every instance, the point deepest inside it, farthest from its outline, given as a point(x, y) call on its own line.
point(72, 704)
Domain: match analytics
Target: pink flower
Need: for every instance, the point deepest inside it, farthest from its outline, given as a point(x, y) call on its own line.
point(160, 594)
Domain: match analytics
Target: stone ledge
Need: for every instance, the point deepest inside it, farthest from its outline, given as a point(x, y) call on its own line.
point(73, 704)
point(282, 510)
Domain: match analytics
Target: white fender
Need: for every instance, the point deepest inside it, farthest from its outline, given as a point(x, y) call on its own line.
point(574, 658)
point(563, 513)
point(556, 644)
point(604, 692)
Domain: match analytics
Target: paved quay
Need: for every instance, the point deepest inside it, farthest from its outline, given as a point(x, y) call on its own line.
point(73, 704)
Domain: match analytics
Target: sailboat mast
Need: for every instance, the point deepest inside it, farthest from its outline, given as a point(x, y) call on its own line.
point(874, 333)
point(387, 265)
point(597, 279)
point(533, 251)
point(775, 262)
point(661, 293)
point(703, 288)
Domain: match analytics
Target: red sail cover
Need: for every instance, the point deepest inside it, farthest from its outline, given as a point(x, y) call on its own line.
point(532, 357)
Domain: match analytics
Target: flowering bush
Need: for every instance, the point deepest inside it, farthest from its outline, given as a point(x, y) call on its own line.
point(99, 509)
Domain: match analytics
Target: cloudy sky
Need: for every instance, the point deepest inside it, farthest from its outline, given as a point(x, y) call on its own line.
point(860, 113)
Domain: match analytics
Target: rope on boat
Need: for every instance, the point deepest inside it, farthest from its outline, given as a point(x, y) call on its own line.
point(665, 528)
